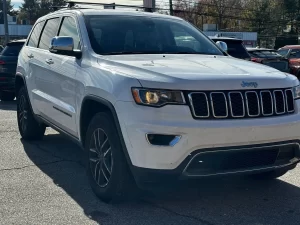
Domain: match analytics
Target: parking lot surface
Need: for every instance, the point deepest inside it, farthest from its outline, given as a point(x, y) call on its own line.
point(44, 183)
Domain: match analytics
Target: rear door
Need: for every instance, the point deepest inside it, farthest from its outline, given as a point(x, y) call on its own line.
point(32, 62)
point(40, 68)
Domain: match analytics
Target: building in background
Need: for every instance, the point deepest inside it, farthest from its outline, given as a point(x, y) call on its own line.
point(249, 38)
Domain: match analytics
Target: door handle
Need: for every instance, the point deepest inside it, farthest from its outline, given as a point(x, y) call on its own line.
point(30, 56)
point(49, 61)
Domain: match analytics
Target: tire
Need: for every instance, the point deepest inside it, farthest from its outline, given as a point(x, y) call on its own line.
point(107, 170)
point(7, 96)
point(270, 175)
point(29, 127)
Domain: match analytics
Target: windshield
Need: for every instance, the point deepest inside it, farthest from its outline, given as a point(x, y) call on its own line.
point(265, 54)
point(143, 35)
point(12, 50)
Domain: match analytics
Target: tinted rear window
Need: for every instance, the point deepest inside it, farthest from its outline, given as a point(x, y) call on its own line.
point(12, 50)
point(236, 49)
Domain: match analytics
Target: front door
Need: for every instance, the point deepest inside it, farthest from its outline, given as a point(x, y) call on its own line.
point(56, 86)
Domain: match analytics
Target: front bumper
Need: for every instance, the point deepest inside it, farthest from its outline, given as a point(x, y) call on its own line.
point(196, 135)
point(244, 162)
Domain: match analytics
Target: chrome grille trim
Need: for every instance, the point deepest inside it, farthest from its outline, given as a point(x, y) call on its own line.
point(212, 104)
point(247, 104)
point(241, 103)
point(262, 103)
point(191, 102)
point(229, 99)
point(284, 100)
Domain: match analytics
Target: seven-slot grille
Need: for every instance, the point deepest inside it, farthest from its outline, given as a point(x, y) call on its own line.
point(241, 104)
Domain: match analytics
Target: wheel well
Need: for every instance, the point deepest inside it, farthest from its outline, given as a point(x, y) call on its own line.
point(19, 82)
point(89, 108)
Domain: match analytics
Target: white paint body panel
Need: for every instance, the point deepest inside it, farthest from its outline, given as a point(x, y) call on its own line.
point(136, 122)
point(68, 81)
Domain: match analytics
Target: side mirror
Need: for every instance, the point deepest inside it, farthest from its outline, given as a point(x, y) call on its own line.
point(64, 46)
point(222, 45)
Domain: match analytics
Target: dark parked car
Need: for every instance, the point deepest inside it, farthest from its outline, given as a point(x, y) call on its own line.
point(235, 47)
point(8, 65)
point(269, 57)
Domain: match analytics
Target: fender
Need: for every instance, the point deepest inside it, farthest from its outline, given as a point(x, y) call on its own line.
point(110, 106)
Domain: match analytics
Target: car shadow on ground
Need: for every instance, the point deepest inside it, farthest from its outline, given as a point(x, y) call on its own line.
point(209, 202)
point(11, 105)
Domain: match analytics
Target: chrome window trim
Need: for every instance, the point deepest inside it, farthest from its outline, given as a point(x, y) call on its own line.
point(258, 105)
point(192, 105)
point(212, 104)
point(262, 103)
point(229, 98)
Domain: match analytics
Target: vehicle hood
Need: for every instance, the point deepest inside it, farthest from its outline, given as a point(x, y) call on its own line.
point(198, 72)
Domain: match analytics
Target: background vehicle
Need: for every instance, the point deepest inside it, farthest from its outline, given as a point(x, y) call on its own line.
point(269, 57)
point(8, 65)
point(292, 53)
point(235, 47)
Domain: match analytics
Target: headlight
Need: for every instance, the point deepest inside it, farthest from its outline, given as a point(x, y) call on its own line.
point(296, 92)
point(157, 97)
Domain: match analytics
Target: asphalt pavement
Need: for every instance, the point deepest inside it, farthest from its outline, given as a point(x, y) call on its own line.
point(44, 183)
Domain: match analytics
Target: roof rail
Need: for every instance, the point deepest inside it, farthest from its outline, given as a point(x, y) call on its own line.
point(72, 4)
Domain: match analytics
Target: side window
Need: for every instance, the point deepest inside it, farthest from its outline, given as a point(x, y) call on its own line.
point(68, 28)
point(295, 54)
point(34, 37)
point(283, 52)
point(49, 32)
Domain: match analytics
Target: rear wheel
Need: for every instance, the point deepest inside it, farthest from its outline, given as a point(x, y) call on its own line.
point(107, 170)
point(270, 175)
point(29, 127)
point(7, 96)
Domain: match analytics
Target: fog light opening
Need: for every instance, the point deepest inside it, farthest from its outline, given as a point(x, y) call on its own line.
point(163, 139)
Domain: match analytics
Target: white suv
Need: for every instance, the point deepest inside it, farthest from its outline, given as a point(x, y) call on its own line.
point(147, 109)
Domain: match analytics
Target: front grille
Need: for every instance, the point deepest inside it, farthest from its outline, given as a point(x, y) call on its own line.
point(241, 104)
point(234, 160)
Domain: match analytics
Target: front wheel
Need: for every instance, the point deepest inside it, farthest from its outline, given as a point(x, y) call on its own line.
point(29, 127)
point(107, 170)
